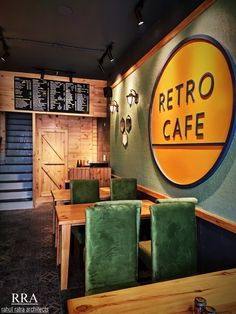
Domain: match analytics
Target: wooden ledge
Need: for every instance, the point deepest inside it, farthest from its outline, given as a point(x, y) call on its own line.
point(217, 220)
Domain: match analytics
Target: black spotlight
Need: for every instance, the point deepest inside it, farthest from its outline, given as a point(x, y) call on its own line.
point(100, 64)
point(5, 56)
point(109, 53)
point(138, 13)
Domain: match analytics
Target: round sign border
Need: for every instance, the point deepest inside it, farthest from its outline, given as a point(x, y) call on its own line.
point(231, 131)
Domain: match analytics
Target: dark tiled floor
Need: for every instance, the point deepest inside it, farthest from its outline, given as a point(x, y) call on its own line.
point(28, 260)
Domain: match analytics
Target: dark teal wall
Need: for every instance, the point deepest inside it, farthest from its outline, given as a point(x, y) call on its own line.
point(217, 194)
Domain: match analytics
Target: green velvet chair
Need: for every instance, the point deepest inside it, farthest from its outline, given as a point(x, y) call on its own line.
point(123, 189)
point(111, 246)
point(82, 191)
point(172, 251)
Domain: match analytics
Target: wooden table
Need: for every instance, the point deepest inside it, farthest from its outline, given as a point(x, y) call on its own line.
point(72, 215)
point(63, 195)
point(173, 296)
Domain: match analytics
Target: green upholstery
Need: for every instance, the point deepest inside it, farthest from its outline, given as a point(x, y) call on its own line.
point(120, 202)
point(137, 203)
point(173, 249)
point(123, 189)
point(111, 247)
point(177, 199)
point(83, 191)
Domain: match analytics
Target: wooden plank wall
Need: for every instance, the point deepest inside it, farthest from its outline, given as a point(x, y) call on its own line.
point(82, 139)
point(2, 136)
point(82, 135)
point(103, 149)
point(103, 174)
point(98, 106)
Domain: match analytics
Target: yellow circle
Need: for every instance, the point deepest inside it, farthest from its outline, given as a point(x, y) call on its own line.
point(192, 111)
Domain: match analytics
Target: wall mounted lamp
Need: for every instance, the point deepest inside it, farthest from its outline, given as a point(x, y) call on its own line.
point(114, 106)
point(132, 97)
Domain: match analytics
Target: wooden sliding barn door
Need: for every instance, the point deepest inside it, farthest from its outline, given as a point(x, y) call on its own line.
point(53, 160)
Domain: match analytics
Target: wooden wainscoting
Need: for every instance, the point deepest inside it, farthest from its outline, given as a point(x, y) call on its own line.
point(103, 174)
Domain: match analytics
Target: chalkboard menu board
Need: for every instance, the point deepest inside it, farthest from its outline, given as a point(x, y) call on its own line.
point(40, 95)
point(52, 96)
point(23, 94)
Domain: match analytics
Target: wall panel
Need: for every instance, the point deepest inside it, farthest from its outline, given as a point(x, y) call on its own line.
point(98, 106)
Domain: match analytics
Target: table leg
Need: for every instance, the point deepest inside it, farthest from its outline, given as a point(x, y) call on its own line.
point(65, 251)
point(54, 218)
point(56, 231)
point(58, 245)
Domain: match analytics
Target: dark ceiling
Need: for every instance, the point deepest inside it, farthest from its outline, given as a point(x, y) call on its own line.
point(71, 35)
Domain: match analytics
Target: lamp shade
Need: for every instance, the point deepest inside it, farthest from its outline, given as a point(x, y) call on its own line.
point(114, 106)
point(132, 97)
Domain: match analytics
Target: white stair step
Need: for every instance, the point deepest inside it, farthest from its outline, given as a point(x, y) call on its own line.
point(19, 134)
point(22, 160)
point(7, 186)
point(18, 152)
point(15, 168)
point(19, 145)
point(11, 121)
point(15, 177)
point(15, 195)
point(13, 127)
point(21, 139)
point(16, 205)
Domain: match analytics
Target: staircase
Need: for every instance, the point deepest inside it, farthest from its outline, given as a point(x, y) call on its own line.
point(16, 165)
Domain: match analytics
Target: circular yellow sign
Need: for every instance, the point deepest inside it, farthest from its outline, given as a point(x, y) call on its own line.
point(192, 111)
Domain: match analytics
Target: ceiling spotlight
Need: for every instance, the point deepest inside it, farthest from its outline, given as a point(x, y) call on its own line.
point(100, 64)
point(5, 47)
point(5, 56)
point(139, 16)
point(137, 11)
point(109, 53)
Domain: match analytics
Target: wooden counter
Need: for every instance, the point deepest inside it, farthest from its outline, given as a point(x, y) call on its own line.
point(103, 174)
point(174, 296)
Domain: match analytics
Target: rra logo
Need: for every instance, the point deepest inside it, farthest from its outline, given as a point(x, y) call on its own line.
point(23, 298)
